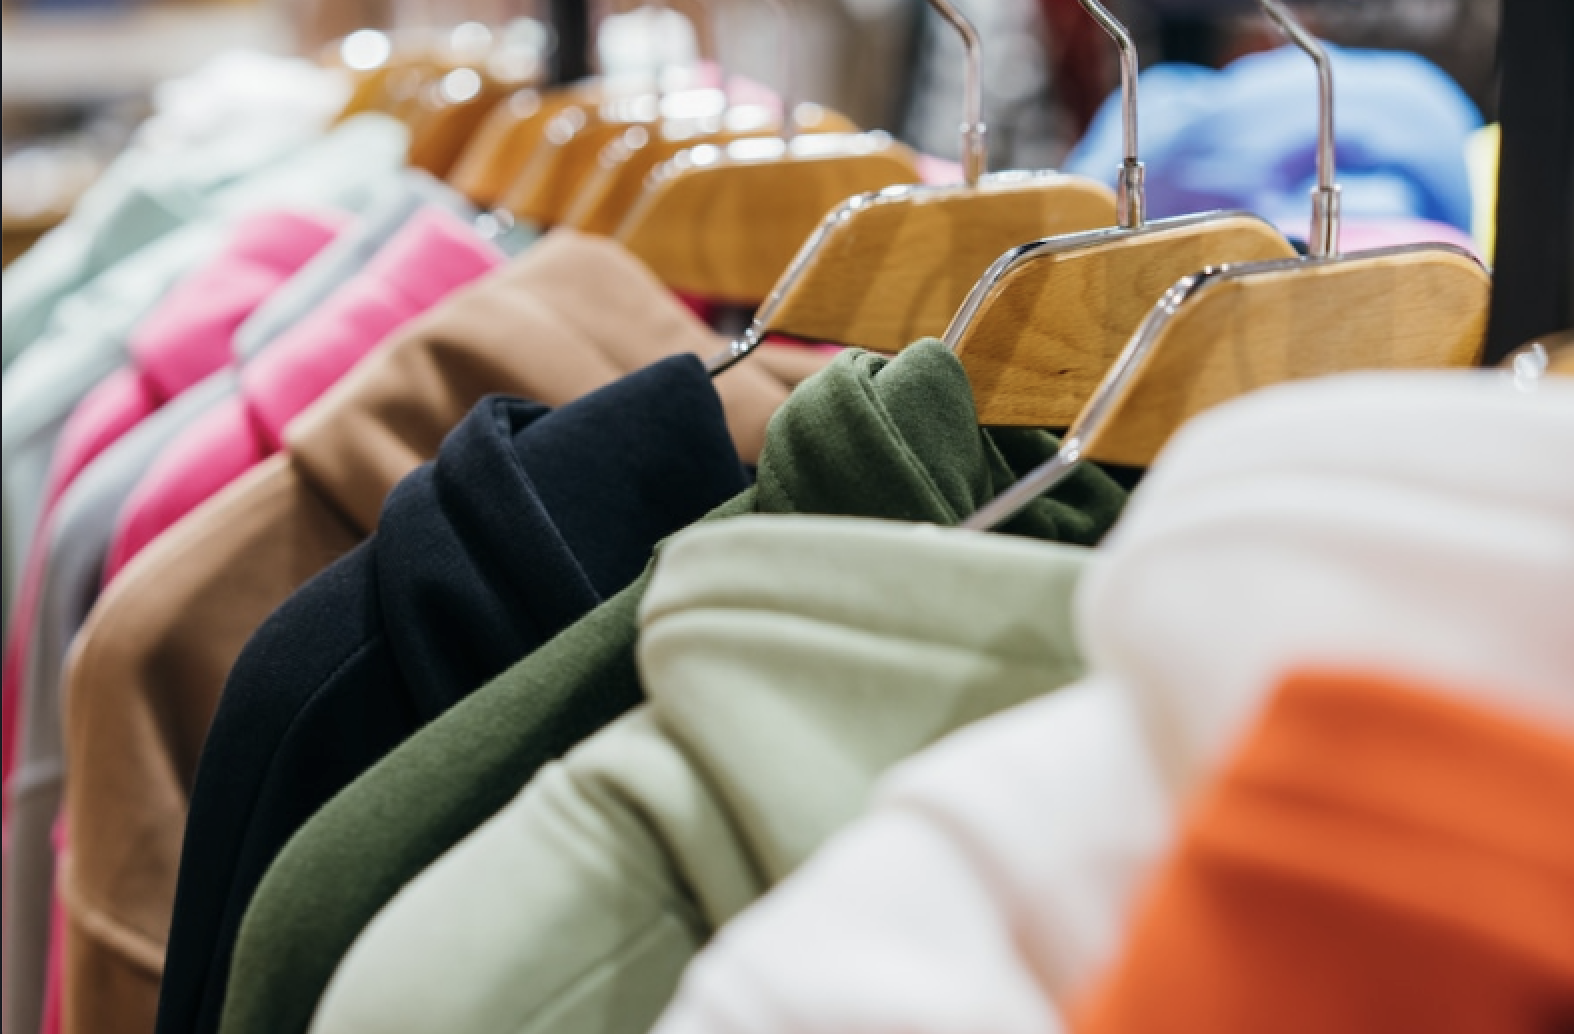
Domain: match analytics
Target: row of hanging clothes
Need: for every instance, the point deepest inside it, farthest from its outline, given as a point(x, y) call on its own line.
point(650, 555)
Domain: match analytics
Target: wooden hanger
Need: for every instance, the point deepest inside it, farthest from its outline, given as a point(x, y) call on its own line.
point(567, 151)
point(368, 91)
point(1222, 332)
point(387, 69)
point(722, 221)
point(1042, 326)
point(494, 155)
point(892, 267)
point(1233, 330)
point(725, 222)
point(1039, 329)
point(572, 141)
point(567, 154)
point(441, 85)
point(624, 165)
point(481, 70)
point(886, 268)
point(447, 113)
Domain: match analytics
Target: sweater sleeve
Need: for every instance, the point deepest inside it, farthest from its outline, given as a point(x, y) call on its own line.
point(569, 911)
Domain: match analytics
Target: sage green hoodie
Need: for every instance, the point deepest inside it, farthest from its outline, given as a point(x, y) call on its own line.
point(895, 439)
point(787, 662)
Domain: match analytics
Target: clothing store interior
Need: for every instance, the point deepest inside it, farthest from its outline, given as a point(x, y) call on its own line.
point(712, 517)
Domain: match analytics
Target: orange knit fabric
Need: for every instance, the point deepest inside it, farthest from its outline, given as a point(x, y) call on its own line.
point(1377, 858)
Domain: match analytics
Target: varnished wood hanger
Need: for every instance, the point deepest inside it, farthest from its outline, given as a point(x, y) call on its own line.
point(1045, 321)
point(624, 165)
point(572, 140)
point(483, 70)
point(725, 222)
point(387, 69)
point(618, 177)
point(886, 268)
point(443, 89)
point(448, 112)
point(494, 155)
point(568, 157)
point(1222, 332)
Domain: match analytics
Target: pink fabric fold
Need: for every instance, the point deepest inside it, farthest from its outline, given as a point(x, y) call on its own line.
point(432, 255)
point(184, 339)
point(189, 338)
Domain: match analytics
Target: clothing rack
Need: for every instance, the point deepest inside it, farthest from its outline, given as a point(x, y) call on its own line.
point(1533, 282)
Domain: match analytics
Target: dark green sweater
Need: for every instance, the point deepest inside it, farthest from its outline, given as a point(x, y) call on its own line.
point(867, 437)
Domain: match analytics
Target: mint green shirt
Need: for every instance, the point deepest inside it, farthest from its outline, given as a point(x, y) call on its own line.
point(145, 193)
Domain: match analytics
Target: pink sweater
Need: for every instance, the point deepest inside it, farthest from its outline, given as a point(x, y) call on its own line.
point(432, 255)
point(185, 338)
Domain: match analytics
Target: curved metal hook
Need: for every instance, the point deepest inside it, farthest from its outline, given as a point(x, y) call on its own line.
point(1325, 196)
point(975, 158)
point(1131, 206)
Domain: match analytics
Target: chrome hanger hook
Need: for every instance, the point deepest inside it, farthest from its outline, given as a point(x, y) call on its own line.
point(975, 156)
point(1325, 196)
point(1131, 192)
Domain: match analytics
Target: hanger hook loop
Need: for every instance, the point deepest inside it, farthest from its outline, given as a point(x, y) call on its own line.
point(975, 158)
point(1131, 193)
point(1325, 196)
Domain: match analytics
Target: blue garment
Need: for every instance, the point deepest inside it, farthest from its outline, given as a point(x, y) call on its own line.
point(1246, 137)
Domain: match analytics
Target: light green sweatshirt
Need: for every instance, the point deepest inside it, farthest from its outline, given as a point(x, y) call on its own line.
point(788, 661)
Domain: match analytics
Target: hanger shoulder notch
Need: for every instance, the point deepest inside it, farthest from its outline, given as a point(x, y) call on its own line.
point(1408, 309)
point(901, 262)
point(1046, 331)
